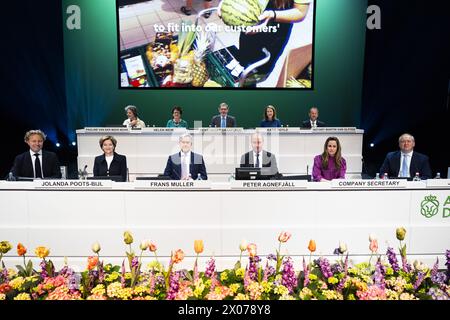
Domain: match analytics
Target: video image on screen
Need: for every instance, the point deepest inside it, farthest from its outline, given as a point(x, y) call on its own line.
point(216, 44)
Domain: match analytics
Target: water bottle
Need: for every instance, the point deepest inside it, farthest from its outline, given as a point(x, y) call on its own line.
point(438, 175)
point(231, 178)
point(377, 176)
point(199, 177)
point(11, 177)
point(417, 177)
point(385, 176)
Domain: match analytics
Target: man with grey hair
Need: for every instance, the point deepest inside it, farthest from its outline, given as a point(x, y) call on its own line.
point(223, 120)
point(406, 163)
point(36, 163)
point(185, 164)
point(133, 120)
point(259, 158)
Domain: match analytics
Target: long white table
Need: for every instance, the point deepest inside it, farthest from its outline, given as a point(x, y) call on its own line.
point(147, 150)
point(70, 219)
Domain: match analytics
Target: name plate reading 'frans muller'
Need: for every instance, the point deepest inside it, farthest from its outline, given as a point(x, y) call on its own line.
point(172, 184)
point(371, 184)
point(269, 184)
point(72, 184)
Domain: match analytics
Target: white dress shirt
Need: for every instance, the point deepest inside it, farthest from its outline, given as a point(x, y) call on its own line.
point(185, 159)
point(408, 161)
point(40, 160)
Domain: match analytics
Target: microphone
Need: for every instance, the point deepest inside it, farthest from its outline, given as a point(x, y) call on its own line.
point(307, 169)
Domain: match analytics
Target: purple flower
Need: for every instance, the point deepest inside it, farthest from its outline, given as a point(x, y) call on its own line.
point(160, 280)
point(253, 268)
point(378, 276)
point(43, 265)
point(419, 280)
point(134, 263)
point(268, 271)
point(336, 251)
point(336, 268)
point(324, 267)
point(173, 285)
point(447, 263)
point(392, 259)
point(306, 273)
point(210, 268)
point(405, 265)
point(438, 294)
point(272, 257)
point(4, 274)
point(101, 272)
point(289, 280)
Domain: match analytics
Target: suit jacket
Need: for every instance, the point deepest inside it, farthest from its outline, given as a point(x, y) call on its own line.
point(307, 123)
point(216, 120)
point(23, 165)
point(118, 166)
point(197, 165)
point(269, 162)
point(419, 163)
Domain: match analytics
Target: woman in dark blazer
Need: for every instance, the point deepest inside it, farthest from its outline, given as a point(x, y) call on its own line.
point(110, 163)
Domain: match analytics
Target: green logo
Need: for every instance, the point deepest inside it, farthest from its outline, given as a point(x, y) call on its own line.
point(429, 207)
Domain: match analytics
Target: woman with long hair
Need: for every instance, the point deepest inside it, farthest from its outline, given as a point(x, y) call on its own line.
point(330, 164)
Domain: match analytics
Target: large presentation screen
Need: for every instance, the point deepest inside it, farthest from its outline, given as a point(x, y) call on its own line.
point(216, 44)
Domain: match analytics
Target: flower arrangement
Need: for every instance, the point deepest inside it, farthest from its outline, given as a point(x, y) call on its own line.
point(271, 278)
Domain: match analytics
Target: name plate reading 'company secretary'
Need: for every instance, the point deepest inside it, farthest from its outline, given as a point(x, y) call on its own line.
point(369, 184)
point(172, 184)
point(269, 184)
point(72, 184)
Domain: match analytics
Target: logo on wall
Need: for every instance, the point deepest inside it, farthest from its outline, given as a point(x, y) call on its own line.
point(429, 207)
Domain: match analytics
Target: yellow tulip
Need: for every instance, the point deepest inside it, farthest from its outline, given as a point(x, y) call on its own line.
point(127, 237)
point(198, 246)
point(400, 232)
point(42, 252)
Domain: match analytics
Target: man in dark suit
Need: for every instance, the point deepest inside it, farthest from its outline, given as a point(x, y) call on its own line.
point(36, 163)
point(186, 165)
point(223, 120)
point(313, 121)
point(406, 162)
point(259, 158)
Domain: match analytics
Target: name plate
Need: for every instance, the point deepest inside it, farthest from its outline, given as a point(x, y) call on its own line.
point(164, 129)
point(172, 184)
point(98, 129)
point(72, 184)
point(277, 130)
point(438, 183)
point(335, 129)
point(218, 130)
point(269, 184)
point(370, 184)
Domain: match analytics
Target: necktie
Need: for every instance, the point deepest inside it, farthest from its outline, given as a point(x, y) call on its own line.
point(222, 123)
point(313, 124)
point(257, 161)
point(184, 168)
point(37, 166)
point(405, 166)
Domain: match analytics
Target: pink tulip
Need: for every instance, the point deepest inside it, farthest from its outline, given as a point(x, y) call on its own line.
point(251, 248)
point(373, 245)
point(284, 236)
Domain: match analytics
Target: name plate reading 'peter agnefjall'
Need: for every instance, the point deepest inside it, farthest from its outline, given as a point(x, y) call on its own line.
point(72, 184)
point(269, 184)
point(369, 184)
point(172, 184)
